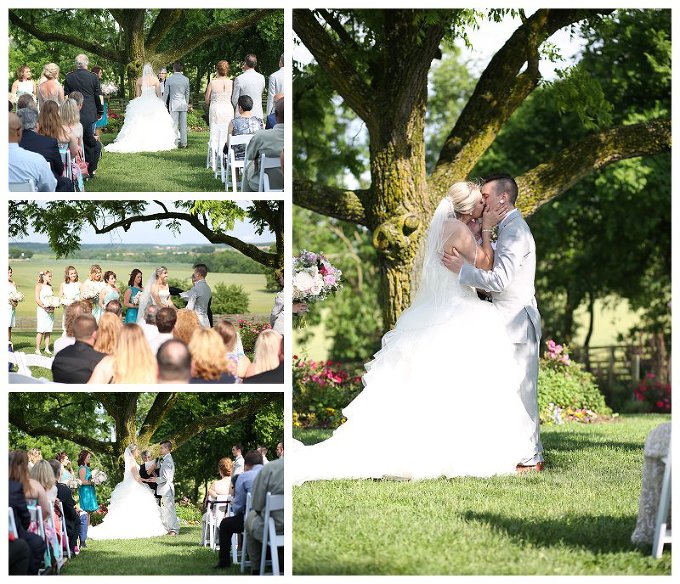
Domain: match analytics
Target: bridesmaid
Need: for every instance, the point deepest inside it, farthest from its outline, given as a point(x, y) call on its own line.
point(86, 492)
point(134, 288)
point(95, 275)
point(12, 303)
point(45, 314)
point(69, 292)
point(24, 83)
point(110, 292)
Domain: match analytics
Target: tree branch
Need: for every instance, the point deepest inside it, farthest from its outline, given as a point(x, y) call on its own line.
point(546, 181)
point(341, 73)
point(163, 403)
point(342, 204)
point(165, 20)
point(77, 41)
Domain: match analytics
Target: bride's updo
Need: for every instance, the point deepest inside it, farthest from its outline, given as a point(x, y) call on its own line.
point(132, 448)
point(464, 196)
point(160, 270)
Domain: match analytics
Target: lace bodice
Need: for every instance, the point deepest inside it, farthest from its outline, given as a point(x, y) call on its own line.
point(149, 92)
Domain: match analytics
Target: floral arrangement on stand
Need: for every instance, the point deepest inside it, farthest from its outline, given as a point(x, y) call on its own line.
point(314, 279)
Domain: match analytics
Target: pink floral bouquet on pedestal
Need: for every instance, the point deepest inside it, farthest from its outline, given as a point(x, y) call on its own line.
point(314, 278)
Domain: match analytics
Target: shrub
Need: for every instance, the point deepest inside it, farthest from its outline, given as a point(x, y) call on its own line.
point(229, 299)
point(320, 390)
point(248, 331)
point(653, 393)
point(114, 123)
point(566, 390)
point(187, 512)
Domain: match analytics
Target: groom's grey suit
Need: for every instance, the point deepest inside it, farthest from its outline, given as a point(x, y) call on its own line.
point(177, 99)
point(166, 489)
point(511, 284)
point(198, 298)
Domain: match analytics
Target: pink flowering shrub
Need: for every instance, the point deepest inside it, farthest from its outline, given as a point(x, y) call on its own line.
point(655, 394)
point(248, 330)
point(320, 390)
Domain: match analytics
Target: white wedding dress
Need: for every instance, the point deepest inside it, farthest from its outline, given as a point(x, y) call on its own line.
point(441, 396)
point(133, 511)
point(148, 126)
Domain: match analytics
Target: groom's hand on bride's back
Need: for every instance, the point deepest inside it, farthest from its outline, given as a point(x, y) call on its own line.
point(453, 261)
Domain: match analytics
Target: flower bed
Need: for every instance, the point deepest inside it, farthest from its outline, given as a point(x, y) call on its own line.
point(656, 395)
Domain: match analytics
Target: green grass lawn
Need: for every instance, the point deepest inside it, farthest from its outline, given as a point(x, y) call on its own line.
point(156, 556)
point(175, 170)
point(575, 518)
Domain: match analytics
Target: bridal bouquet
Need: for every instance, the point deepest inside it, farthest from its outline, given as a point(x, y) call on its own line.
point(137, 297)
point(109, 88)
point(91, 289)
point(98, 476)
point(73, 483)
point(51, 302)
point(15, 296)
point(314, 277)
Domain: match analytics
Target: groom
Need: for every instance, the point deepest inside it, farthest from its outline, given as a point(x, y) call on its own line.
point(511, 284)
point(198, 298)
point(166, 489)
point(177, 100)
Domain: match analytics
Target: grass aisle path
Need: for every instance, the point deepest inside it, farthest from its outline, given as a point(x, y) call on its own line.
point(157, 556)
point(176, 170)
point(575, 518)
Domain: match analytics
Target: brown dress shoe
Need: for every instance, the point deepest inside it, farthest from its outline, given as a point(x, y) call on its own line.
point(538, 467)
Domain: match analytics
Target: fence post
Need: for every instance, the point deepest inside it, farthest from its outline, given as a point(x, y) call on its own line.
point(612, 361)
point(635, 367)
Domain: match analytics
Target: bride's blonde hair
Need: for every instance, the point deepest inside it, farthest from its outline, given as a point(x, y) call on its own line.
point(464, 196)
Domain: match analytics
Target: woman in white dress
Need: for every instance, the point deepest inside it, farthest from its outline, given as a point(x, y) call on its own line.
point(133, 511)
point(45, 314)
point(94, 280)
point(24, 83)
point(445, 376)
point(148, 126)
point(49, 88)
point(218, 99)
point(69, 292)
point(156, 291)
point(12, 303)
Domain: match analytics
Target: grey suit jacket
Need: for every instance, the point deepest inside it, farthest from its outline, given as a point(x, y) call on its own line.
point(166, 476)
point(197, 300)
point(269, 143)
point(511, 282)
point(250, 83)
point(276, 86)
point(177, 92)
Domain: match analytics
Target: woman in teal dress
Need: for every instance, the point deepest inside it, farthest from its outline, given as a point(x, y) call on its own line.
point(134, 288)
point(110, 292)
point(86, 492)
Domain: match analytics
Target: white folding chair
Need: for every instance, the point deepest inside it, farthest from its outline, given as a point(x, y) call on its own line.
point(17, 358)
point(269, 535)
point(244, 547)
point(12, 523)
point(222, 138)
point(234, 165)
point(23, 187)
point(65, 543)
point(662, 535)
point(33, 360)
point(213, 146)
point(54, 545)
point(66, 159)
point(17, 378)
point(217, 510)
point(266, 188)
point(37, 518)
point(267, 163)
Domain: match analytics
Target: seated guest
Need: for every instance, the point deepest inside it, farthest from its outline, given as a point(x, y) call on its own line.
point(34, 455)
point(108, 331)
point(187, 323)
point(149, 325)
point(43, 473)
point(25, 165)
point(75, 364)
point(71, 519)
point(72, 311)
point(20, 485)
point(271, 118)
point(50, 124)
point(234, 523)
point(269, 143)
point(132, 360)
point(208, 358)
point(238, 361)
point(247, 123)
point(114, 307)
point(174, 362)
point(267, 365)
point(218, 488)
point(269, 480)
point(19, 557)
point(166, 318)
point(26, 100)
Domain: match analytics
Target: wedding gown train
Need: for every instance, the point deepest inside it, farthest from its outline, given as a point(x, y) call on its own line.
point(440, 398)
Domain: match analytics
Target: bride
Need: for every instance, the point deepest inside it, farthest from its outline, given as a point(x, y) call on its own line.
point(148, 126)
point(155, 292)
point(133, 511)
point(442, 395)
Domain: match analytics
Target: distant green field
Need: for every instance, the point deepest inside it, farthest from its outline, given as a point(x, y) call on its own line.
point(26, 276)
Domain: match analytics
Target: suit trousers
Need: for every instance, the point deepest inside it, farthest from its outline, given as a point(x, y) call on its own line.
point(180, 121)
point(526, 355)
point(169, 513)
point(92, 146)
point(228, 527)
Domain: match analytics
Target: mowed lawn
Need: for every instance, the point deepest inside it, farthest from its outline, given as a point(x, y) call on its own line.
point(574, 518)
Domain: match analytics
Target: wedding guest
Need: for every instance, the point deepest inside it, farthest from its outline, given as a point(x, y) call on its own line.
point(12, 303)
point(75, 363)
point(50, 124)
point(149, 325)
point(70, 117)
point(114, 307)
point(87, 494)
point(250, 83)
point(208, 358)
point(69, 292)
point(269, 480)
point(71, 519)
point(234, 523)
point(263, 451)
point(132, 360)
point(246, 123)
point(217, 100)
point(275, 86)
point(34, 456)
point(24, 165)
point(218, 488)
point(271, 120)
point(238, 362)
point(71, 312)
point(66, 467)
point(174, 362)
point(236, 451)
point(19, 553)
point(43, 473)
point(279, 450)
point(45, 312)
point(269, 143)
point(20, 486)
point(187, 323)
point(165, 322)
point(108, 331)
point(134, 287)
point(268, 353)
point(50, 89)
point(24, 83)
point(26, 100)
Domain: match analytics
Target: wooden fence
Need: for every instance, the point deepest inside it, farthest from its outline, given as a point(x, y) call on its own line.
point(621, 363)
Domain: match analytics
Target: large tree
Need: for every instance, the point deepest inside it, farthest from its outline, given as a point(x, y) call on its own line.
point(378, 62)
point(132, 37)
point(63, 221)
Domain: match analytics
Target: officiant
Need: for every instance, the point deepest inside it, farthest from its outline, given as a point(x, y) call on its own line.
point(149, 469)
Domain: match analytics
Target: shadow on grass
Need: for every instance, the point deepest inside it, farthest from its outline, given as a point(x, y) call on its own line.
point(569, 441)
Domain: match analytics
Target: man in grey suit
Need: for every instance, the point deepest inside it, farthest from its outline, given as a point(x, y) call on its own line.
point(199, 296)
point(269, 143)
point(177, 99)
point(511, 284)
point(250, 83)
point(276, 86)
point(166, 489)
